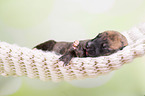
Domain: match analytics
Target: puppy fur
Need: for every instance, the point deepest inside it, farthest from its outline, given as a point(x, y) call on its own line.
point(103, 44)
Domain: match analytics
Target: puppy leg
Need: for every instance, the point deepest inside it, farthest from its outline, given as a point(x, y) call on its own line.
point(46, 46)
point(67, 57)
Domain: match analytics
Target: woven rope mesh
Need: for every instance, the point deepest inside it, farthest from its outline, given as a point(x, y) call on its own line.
point(21, 61)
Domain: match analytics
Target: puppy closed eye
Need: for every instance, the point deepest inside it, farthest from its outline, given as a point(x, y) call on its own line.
point(104, 46)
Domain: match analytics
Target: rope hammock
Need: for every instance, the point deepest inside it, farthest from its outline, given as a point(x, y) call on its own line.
point(21, 61)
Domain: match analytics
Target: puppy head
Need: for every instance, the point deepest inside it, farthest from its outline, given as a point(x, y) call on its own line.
point(105, 44)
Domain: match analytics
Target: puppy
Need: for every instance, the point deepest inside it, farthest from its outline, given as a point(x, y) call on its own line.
point(103, 44)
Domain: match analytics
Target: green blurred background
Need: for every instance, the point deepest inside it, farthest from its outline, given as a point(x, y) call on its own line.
point(30, 22)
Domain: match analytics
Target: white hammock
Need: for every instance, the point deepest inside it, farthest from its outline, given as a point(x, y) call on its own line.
point(20, 61)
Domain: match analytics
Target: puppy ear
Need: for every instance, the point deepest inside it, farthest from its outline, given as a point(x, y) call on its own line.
point(124, 41)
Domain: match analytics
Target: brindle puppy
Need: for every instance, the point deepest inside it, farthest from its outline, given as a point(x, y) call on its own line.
point(103, 44)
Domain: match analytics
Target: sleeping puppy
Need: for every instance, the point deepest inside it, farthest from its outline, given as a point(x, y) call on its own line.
point(103, 44)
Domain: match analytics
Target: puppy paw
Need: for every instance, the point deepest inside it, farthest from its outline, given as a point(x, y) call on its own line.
point(65, 59)
point(75, 44)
